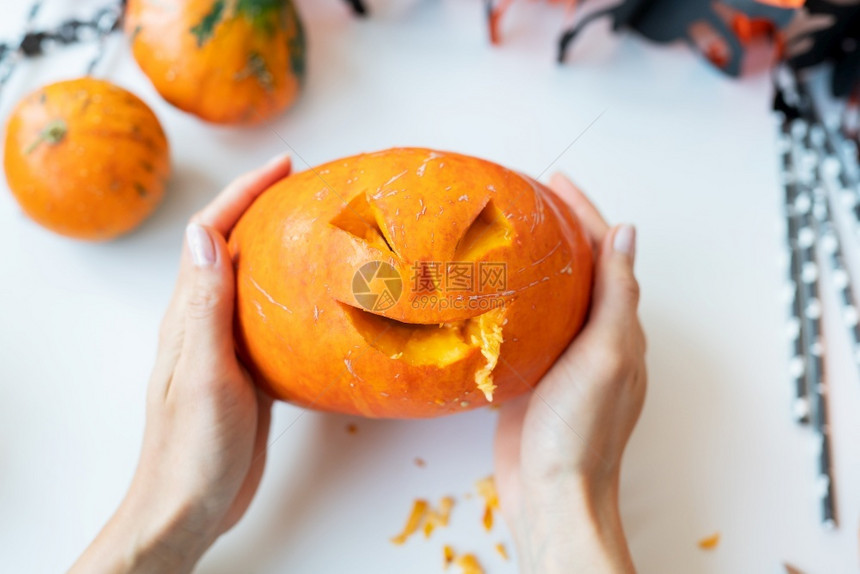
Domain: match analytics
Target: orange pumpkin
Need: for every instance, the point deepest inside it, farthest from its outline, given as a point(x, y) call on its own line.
point(226, 61)
point(407, 283)
point(86, 159)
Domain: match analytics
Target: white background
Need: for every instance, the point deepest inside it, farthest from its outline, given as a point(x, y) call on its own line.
point(680, 150)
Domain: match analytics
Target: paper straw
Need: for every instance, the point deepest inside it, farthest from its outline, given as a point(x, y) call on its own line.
point(794, 330)
point(830, 242)
point(806, 162)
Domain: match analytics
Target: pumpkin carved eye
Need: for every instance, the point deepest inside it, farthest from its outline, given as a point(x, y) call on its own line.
point(488, 231)
point(361, 219)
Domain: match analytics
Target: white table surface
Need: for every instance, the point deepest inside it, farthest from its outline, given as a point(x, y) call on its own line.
point(681, 151)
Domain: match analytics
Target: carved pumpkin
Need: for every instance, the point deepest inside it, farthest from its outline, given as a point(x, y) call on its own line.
point(226, 61)
point(86, 159)
point(351, 295)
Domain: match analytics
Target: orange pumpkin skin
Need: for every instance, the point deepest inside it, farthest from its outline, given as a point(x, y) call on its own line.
point(224, 61)
point(86, 159)
point(305, 336)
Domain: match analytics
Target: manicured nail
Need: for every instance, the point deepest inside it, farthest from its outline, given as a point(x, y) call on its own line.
point(200, 245)
point(559, 177)
point(625, 240)
point(278, 159)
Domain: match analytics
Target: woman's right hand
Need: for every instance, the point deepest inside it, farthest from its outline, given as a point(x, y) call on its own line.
point(207, 425)
point(558, 450)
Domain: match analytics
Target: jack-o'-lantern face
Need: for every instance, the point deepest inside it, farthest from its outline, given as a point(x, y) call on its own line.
point(407, 283)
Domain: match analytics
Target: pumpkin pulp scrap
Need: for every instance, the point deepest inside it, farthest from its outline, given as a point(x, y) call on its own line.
point(439, 344)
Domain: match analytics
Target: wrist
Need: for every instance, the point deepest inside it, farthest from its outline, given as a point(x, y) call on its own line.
point(166, 535)
point(572, 524)
point(147, 535)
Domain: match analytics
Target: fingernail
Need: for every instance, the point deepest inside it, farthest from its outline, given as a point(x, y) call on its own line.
point(625, 240)
point(277, 160)
point(200, 245)
point(559, 176)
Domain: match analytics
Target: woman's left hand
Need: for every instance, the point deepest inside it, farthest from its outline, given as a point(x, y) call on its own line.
point(207, 425)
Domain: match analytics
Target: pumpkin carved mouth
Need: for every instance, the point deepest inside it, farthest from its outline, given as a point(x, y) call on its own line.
point(436, 345)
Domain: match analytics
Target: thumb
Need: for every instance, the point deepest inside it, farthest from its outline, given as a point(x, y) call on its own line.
point(209, 305)
point(616, 291)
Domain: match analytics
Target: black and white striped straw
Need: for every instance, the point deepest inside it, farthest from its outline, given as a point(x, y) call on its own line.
point(806, 163)
point(809, 223)
point(794, 330)
point(829, 237)
point(841, 154)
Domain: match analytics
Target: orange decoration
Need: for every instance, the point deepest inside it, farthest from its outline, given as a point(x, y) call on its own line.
point(748, 30)
point(225, 61)
point(407, 283)
point(787, 4)
point(86, 159)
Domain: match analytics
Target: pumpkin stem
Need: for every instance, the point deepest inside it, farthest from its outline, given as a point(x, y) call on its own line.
point(53, 133)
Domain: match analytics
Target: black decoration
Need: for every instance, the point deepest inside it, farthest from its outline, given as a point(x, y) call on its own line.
point(837, 41)
point(665, 21)
point(358, 7)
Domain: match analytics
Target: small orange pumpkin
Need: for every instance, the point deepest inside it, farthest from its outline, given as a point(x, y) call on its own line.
point(407, 283)
point(86, 159)
point(225, 61)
